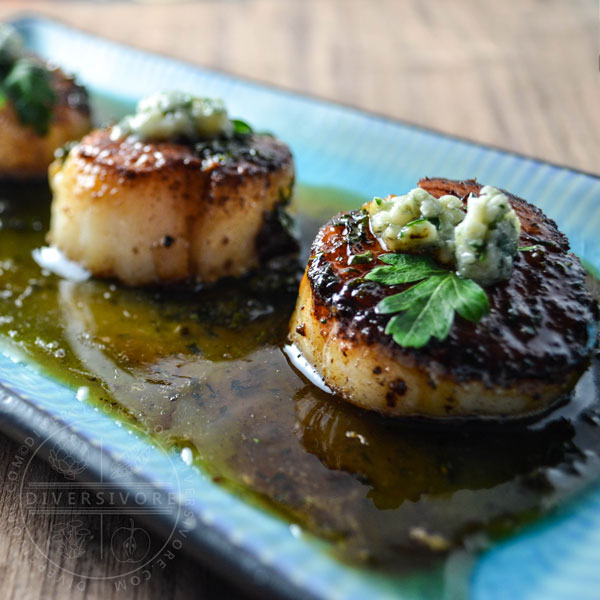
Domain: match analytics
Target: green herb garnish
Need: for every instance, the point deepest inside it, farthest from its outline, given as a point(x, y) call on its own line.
point(25, 81)
point(29, 86)
point(404, 268)
point(241, 127)
point(427, 308)
point(416, 222)
point(361, 259)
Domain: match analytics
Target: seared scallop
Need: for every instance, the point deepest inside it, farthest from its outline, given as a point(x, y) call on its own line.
point(161, 212)
point(520, 359)
point(26, 151)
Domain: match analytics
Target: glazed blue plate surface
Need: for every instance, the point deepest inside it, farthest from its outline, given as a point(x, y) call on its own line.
point(344, 148)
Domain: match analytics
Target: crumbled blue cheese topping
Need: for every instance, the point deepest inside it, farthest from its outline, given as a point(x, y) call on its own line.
point(480, 243)
point(487, 239)
point(171, 115)
point(417, 222)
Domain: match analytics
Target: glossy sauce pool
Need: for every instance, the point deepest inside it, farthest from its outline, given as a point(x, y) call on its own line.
point(208, 369)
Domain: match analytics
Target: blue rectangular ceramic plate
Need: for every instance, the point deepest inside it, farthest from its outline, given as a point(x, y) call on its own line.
point(366, 155)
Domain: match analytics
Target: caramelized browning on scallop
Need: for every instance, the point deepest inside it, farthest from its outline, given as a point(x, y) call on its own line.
point(165, 212)
point(251, 155)
point(25, 153)
point(519, 360)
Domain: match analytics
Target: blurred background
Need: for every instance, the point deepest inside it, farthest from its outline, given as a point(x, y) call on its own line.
point(521, 75)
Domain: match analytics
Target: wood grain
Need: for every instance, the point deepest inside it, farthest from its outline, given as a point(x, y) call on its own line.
point(33, 565)
point(518, 75)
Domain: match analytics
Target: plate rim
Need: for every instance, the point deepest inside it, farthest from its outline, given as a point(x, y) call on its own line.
point(22, 18)
point(275, 582)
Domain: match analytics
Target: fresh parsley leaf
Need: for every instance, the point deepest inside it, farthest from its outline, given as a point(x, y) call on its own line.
point(29, 86)
point(360, 259)
point(467, 298)
point(412, 261)
point(415, 294)
point(426, 309)
point(241, 127)
point(429, 308)
point(404, 268)
point(428, 317)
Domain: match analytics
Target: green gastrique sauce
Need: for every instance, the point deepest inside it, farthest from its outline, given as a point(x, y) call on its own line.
point(208, 368)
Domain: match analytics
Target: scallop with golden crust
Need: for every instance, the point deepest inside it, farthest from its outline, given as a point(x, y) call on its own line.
point(519, 360)
point(161, 212)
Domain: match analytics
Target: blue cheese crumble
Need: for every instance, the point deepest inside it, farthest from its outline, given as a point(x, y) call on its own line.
point(417, 222)
point(170, 115)
point(480, 243)
point(487, 238)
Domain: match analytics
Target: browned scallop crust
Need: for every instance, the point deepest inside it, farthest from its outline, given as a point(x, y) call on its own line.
point(23, 152)
point(516, 361)
point(167, 212)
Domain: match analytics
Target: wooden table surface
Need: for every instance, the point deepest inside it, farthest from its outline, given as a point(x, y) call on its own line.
point(519, 75)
